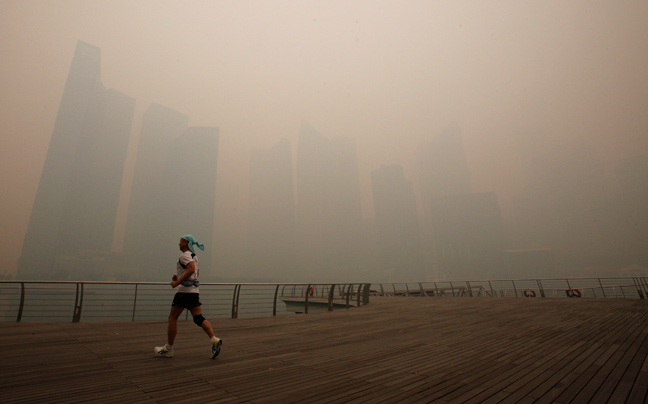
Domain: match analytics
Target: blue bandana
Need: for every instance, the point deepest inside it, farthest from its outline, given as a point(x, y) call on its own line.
point(191, 241)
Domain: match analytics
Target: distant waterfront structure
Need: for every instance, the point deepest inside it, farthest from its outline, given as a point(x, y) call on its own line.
point(180, 200)
point(621, 219)
point(442, 166)
point(563, 207)
point(271, 217)
point(76, 202)
point(329, 214)
point(397, 225)
point(469, 233)
point(442, 169)
point(161, 126)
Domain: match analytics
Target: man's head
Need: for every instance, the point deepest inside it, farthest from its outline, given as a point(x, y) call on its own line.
point(184, 245)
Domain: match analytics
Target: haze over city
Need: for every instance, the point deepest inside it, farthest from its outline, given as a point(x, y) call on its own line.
point(537, 100)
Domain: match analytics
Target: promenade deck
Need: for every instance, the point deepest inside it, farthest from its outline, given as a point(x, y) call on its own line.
point(394, 350)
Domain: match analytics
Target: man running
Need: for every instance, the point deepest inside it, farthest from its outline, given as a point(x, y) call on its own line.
point(186, 280)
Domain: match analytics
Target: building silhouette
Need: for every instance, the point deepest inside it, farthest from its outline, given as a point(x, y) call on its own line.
point(329, 214)
point(442, 166)
point(397, 225)
point(271, 217)
point(442, 170)
point(561, 208)
point(76, 202)
point(161, 127)
point(181, 200)
point(624, 217)
point(469, 235)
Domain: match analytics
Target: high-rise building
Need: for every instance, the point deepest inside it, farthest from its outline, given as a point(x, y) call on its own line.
point(181, 200)
point(623, 217)
point(560, 208)
point(271, 217)
point(442, 170)
point(329, 213)
point(397, 225)
point(161, 126)
point(469, 235)
point(76, 202)
point(442, 166)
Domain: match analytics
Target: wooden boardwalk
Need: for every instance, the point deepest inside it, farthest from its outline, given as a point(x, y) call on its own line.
point(395, 350)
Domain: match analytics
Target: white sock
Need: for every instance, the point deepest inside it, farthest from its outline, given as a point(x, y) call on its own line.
point(169, 347)
point(213, 339)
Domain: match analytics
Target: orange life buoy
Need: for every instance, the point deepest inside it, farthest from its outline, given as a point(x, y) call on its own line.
point(310, 291)
point(529, 293)
point(573, 293)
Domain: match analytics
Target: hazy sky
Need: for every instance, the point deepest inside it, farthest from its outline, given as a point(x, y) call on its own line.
point(389, 73)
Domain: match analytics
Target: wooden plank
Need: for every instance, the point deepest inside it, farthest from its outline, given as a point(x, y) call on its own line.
point(394, 350)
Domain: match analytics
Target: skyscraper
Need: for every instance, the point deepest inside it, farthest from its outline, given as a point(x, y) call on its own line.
point(181, 200)
point(397, 225)
point(161, 126)
point(329, 213)
point(469, 235)
point(442, 166)
point(76, 202)
point(442, 170)
point(271, 218)
point(560, 208)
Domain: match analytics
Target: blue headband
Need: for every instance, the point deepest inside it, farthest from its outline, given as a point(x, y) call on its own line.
point(191, 241)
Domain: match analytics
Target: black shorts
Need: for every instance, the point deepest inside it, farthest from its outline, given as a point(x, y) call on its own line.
point(186, 300)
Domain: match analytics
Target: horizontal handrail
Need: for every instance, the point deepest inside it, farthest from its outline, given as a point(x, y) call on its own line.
point(130, 301)
point(600, 287)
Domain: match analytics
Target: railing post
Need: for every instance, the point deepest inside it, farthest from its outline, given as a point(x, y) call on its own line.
point(423, 294)
point(306, 300)
point(642, 282)
point(348, 294)
point(452, 288)
point(382, 290)
point(365, 294)
point(78, 303)
point(235, 301)
point(330, 297)
point(602, 288)
point(636, 282)
point(274, 305)
point(541, 288)
point(514, 288)
point(358, 295)
point(134, 303)
point(22, 302)
point(469, 289)
point(436, 288)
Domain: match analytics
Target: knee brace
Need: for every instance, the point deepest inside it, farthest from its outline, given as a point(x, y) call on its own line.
point(199, 320)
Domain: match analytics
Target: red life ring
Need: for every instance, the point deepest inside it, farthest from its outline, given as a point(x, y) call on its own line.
point(529, 293)
point(310, 291)
point(573, 293)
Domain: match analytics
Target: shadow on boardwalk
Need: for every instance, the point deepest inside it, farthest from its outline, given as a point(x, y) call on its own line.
point(395, 350)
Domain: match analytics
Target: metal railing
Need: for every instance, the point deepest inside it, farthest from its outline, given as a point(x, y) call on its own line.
point(132, 301)
point(623, 287)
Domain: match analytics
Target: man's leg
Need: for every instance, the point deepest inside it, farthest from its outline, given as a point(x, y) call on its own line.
point(205, 324)
point(172, 331)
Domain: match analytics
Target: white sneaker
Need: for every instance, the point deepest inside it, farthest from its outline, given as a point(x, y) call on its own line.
point(164, 351)
point(215, 348)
